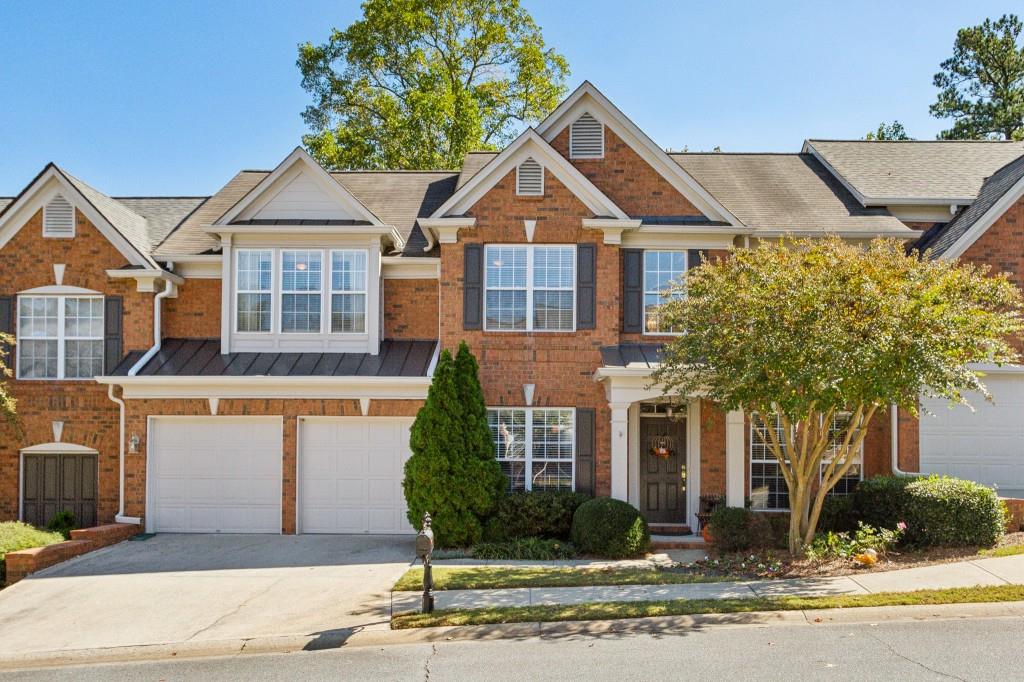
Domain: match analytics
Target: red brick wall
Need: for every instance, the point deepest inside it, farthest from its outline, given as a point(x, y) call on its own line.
point(410, 309)
point(137, 411)
point(627, 179)
point(712, 449)
point(195, 312)
point(89, 417)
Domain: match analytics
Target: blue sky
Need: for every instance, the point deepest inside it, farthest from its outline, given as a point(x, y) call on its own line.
point(141, 98)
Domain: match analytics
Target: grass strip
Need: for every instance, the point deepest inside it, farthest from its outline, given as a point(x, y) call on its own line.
point(1009, 550)
point(683, 607)
point(498, 577)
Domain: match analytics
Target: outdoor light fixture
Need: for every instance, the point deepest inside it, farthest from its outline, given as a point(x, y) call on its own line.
point(133, 443)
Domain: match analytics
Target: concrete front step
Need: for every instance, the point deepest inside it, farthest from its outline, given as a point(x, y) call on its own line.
point(677, 542)
point(670, 529)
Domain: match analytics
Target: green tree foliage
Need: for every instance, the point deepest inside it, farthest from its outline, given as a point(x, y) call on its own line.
point(452, 473)
point(804, 329)
point(888, 131)
point(982, 84)
point(418, 83)
point(8, 405)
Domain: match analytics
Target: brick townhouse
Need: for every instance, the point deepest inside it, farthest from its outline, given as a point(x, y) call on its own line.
point(252, 361)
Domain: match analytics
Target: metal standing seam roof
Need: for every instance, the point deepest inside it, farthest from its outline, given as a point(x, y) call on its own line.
point(941, 237)
point(945, 170)
point(635, 354)
point(202, 357)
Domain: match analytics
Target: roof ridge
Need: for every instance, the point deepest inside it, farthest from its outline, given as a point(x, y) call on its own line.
point(738, 154)
point(832, 139)
point(158, 196)
point(397, 170)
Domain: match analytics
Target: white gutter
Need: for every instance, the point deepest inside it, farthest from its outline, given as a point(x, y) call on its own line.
point(157, 336)
point(120, 517)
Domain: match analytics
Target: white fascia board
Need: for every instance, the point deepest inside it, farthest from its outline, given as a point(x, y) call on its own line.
point(52, 181)
point(444, 230)
point(990, 216)
point(319, 173)
point(612, 228)
point(145, 274)
point(256, 387)
point(919, 201)
point(604, 110)
point(59, 290)
point(907, 234)
point(404, 267)
point(643, 239)
point(638, 371)
point(989, 368)
point(58, 449)
point(385, 230)
point(529, 144)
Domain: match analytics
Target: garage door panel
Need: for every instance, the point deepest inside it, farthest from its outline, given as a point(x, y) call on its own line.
point(363, 460)
point(215, 474)
point(986, 445)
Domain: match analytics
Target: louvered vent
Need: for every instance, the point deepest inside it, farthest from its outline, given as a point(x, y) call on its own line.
point(59, 218)
point(586, 138)
point(530, 179)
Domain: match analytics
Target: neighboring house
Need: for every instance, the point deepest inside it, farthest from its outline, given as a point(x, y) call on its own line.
point(252, 361)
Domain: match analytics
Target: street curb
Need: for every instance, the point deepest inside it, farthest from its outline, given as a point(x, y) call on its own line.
point(339, 639)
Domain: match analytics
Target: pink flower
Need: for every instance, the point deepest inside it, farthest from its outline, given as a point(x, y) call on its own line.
point(902, 525)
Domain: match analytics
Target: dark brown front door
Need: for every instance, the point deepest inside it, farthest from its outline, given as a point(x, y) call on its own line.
point(52, 483)
point(663, 479)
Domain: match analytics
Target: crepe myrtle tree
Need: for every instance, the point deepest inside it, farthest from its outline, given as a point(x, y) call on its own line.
point(802, 330)
point(8, 404)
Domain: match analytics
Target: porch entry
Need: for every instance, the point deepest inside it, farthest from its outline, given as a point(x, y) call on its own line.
point(662, 453)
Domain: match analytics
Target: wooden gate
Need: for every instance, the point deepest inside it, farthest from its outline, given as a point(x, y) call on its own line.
point(55, 482)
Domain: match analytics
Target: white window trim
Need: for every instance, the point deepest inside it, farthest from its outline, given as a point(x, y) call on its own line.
point(530, 287)
point(772, 460)
point(645, 292)
point(238, 292)
point(61, 339)
point(572, 150)
point(528, 443)
point(74, 226)
point(281, 292)
point(364, 291)
point(541, 192)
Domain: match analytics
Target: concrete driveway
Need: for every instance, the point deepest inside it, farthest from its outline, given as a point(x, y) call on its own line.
point(173, 589)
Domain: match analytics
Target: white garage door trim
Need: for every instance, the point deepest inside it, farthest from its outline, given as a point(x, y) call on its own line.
point(153, 424)
point(400, 527)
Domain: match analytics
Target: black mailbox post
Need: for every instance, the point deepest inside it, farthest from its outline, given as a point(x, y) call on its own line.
point(424, 551)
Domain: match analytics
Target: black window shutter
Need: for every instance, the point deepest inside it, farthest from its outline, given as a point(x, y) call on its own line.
point(695, 257)
point(473, 287)
point(585, 448)
point(632, 290)
point(113, 343)
point(586, 286)
point(7, 327)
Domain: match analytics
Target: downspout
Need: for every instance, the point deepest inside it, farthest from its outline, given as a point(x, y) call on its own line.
point(120, 518)
point(895, 443)
point(157, 336)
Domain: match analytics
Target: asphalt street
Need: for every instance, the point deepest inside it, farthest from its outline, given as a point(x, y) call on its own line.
point(974, 649)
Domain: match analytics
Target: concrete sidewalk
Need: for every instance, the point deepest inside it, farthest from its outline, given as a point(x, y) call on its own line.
point(983, 572)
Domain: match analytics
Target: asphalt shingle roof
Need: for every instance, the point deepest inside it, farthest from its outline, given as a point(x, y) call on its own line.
point(936, 170)
point(784, 192)
point(189, 238)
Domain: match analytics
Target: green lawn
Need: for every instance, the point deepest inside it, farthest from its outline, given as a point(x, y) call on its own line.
point(1008, 550)
point(495, 577)
point(680, 607)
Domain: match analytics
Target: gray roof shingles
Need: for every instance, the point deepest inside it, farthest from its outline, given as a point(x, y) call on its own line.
point(936, 169)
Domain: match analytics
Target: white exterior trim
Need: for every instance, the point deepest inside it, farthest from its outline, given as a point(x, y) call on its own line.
point(529, 144)
point(444, 230)
point(588, 98)
point(312, 387)
point(58, 449)
point(986, 221)
point(403, 267)
point(59, 290)
point(146, 279)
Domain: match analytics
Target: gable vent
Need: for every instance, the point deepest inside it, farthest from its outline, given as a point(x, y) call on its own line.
point(59, 218)
point(586, 138)
point(530, 179)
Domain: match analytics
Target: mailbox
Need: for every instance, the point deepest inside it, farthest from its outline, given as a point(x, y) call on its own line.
point(425, 542)
point(424, 551)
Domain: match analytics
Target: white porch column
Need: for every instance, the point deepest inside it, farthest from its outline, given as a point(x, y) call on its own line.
point(620, 450)
point(734, 458)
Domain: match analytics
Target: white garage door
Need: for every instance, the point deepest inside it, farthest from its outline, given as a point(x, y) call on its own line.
point(214, 475)
point(986, 445)
point(350, 474)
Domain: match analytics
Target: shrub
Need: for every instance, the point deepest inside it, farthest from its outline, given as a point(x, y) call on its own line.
point(15, 535)
point(529, 549)
point(452, 472)
point(63, 522)
point(731, 529)
point(610, 528)
point(951, 511)
point(542, 514)
point(844, 545)
point(768, 531)
point(837, 515)
point(882, 501)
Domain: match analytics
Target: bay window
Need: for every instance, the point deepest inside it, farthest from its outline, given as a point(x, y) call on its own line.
point(661, 270)
point(530, 288)
point(60, 337)
point(536, 447)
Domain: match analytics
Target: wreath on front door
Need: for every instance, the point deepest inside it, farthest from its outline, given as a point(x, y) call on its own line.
point(661, 447)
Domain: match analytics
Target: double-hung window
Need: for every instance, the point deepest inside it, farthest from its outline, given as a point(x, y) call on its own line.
point(662, 270)
point(768, 489)
point(60, 337)
point(348, 292)
point(530, 288)
point(301, 284)
point(536, 447)
point(253, 281)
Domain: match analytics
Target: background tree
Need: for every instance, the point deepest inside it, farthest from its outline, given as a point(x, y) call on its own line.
point(888, 131)
point(8, 404)
point(452, 472)
point(418, 83)
point(806, 329)
point(982, 84)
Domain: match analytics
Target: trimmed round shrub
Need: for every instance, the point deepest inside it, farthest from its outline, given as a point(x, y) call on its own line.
point(610, 528)
point(951, 511)
point(882, 501)
point(837, 515)
point(541, 514)
point(731, 529)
